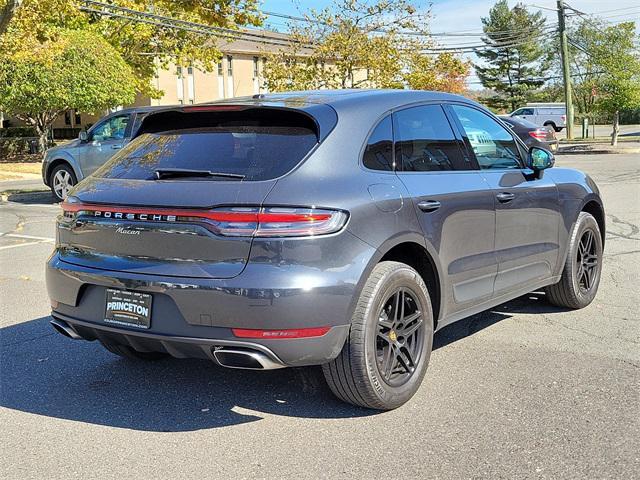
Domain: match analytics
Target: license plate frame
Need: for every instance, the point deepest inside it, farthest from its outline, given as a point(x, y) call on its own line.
point(128, 308)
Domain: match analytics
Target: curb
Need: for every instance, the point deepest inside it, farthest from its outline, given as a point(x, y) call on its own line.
point(5, 194)
point(599, 152)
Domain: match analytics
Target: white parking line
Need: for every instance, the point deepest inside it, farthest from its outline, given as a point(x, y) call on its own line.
point(6, 247)
point(28, 237)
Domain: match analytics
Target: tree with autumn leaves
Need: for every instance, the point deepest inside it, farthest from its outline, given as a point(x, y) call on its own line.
point(56, 57)
point(356, 44)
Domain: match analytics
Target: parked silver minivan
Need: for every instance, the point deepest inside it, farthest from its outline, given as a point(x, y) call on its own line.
point(552, 115)
point(65, 165)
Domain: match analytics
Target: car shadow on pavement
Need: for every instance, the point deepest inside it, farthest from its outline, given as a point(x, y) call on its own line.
point(47, 374)
point(33, 198)
point(534, 302)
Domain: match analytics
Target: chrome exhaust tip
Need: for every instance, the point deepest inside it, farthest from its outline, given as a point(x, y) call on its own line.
point(65, 329)
point(244, 359)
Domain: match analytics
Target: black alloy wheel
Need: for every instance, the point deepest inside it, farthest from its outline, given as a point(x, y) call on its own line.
point(587, 261)
point(400, 338)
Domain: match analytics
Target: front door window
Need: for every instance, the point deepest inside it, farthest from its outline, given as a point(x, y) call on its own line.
point(493, 145)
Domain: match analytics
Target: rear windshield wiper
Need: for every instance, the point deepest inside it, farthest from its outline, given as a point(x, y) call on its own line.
point(186, 172)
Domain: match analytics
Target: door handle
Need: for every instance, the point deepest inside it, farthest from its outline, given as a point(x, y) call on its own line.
point(505, 197)
point(429, 205)
point(116, 147)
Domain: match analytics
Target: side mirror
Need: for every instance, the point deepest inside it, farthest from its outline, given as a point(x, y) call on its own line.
point(83, 136)
point(540, 159)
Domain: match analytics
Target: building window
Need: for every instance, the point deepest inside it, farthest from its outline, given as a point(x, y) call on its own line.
point(191, 89)
point(256, 71)
point(229, 65)
point(220, 68)
point(179, 71)
point(78, 119)
point(67, 117)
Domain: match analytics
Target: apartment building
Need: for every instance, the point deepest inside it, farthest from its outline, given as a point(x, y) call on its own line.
point(238, 73)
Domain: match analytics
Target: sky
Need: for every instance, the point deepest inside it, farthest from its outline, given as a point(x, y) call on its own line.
point(457, 15)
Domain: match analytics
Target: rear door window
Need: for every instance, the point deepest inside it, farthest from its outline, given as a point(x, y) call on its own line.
point(425, 141)
point(255, 145)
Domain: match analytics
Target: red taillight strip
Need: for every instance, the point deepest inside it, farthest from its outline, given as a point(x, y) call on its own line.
point(281, 334)
point(219, 216)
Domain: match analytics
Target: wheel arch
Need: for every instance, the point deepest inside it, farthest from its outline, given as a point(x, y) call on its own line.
point(57, 161)
point(410, 248)
point(595, 208)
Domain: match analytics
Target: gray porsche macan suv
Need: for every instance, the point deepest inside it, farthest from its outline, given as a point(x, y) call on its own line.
point(333, 228)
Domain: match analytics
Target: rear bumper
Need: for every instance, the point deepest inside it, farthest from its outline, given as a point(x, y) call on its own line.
point(189, 316)
point(276, 353)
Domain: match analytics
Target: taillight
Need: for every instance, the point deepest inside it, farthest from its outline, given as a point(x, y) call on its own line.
point(231, 221)
point(539, 133)
point(564, 118)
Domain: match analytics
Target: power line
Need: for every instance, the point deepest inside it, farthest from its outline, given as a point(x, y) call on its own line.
point(540, 79)
point(459, 33)
point(482, 47)
point(110, 10)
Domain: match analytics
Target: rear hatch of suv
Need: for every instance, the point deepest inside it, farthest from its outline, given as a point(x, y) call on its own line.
point(183, 198)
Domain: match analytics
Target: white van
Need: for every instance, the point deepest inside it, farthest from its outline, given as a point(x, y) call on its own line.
point(552, 115)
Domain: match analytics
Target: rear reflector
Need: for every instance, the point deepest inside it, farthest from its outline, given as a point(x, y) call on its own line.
point(277, 334)
point(231, 221)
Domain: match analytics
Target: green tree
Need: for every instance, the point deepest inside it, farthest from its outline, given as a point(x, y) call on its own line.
point(515, 59)
point(605, 67)
point(142, 45)
point(75, 69)
point(358, 44)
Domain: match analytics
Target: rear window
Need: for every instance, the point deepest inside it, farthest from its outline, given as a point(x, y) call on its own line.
point(259, 145)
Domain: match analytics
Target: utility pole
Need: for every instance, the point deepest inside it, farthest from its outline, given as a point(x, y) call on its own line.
point(566, 76)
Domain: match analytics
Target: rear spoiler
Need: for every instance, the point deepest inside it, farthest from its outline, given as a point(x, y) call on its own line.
point(323, 117)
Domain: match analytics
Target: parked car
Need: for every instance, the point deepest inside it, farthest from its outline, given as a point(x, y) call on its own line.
point(333, 228)
point(552, 115)
point(531, 134)
point(65, 165)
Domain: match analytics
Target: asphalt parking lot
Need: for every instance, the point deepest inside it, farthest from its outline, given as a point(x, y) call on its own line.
point(522, 391)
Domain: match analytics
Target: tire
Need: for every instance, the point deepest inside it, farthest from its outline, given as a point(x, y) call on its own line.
point(129, 353)
point(577, 287)
point(361, 374)
point(61, 180)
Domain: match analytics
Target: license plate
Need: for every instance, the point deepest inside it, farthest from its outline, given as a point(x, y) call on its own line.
point(129, 309)
point(554, 147)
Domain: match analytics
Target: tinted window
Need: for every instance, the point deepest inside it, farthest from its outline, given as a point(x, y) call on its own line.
point(524, 111)
point(111, 129)
point(259, 146)
point(378, 154)
point(492, 144)
point(425, 141)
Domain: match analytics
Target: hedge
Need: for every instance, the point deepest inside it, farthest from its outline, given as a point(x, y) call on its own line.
point(11, 132)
